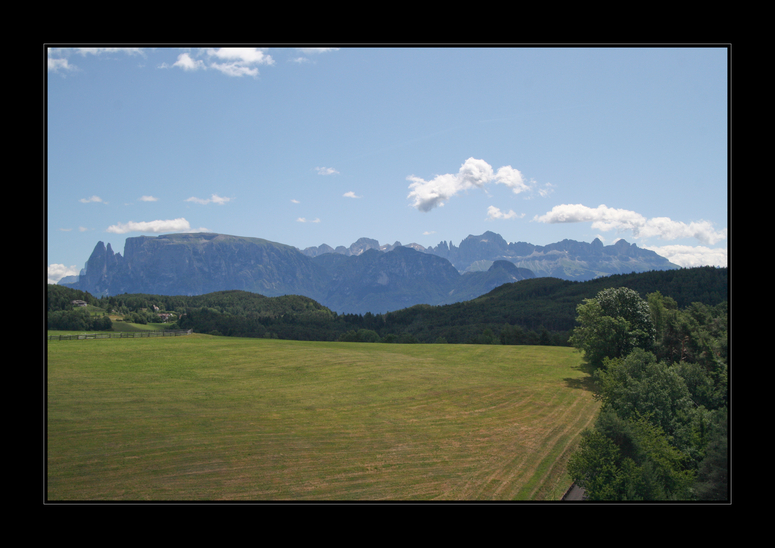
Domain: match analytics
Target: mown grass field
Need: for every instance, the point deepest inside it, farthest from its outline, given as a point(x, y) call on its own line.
point(215, 418)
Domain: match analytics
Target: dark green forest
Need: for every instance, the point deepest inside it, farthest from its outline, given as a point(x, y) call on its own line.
point(533, 311)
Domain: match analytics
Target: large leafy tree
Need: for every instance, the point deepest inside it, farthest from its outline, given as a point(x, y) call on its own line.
point(639, 385)
point(612, 324)
point(661, 376)
point(630, 459)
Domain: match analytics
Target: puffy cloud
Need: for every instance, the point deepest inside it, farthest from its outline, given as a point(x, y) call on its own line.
point(668, 229)
point(230, 61)
point(239, 61)
point(172, 225)
point(495, 213)
point(689, 256)
point(303, 220)
point(351, 194)
point(148, 199)
point(187, 63)
point(605, 218)
point(55, 65)
point(243, 56)
point(214, 199)
point(474, 173)
point(512, 178)
point(58, 271)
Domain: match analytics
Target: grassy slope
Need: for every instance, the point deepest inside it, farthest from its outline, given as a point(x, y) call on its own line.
point(213, 418)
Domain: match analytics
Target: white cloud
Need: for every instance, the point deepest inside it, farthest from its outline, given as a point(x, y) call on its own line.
point(55, 65)
point(239, 61)
point(93, 199)
point(512, 178)
point(351, 194)
point(235, 62)
point(171, 225)
point(295, 201)
point(326, 170)
point(148, 199)
point(605, 219)
point(242, 56)
point(303, 220)
point(57, 57)
point(689, 256)
point(235, 69)
point(100, 51)
point(428, 232)
point(495, 213)
point(213, 199)
point(58, 271)
point(474, 173)
point(187, 63)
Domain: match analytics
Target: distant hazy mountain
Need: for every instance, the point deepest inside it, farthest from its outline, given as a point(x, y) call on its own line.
point(366, 277)
point(567, 260)
point(363, 244)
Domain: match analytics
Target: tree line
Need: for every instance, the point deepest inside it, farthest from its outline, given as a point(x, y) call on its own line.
point(530, 312)
point(661, 373)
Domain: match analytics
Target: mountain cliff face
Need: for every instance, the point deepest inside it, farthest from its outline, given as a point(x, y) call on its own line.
point(374, 281)
point(194, 264)
point(366, 277)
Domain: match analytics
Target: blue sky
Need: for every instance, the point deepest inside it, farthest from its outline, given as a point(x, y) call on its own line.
point(417, 145)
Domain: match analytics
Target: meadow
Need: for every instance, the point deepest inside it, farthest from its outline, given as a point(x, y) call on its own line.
point(211, 418)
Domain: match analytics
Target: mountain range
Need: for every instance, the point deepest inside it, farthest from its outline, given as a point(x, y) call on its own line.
point(366, 277)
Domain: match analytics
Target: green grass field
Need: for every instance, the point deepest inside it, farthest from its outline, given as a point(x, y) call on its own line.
point(216, 418)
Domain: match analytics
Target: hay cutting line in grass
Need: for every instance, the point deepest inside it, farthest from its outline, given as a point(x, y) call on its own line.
point(216, 418)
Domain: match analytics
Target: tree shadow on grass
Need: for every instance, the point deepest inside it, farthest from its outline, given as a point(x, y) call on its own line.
point(587, 382)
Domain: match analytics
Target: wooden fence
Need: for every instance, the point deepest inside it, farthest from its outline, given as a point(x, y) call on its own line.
point(121, 335)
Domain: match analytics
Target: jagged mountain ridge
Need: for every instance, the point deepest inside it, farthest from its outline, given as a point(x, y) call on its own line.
point(196, 264)
point(357, 248)
point(366, 277)
point(567, 260)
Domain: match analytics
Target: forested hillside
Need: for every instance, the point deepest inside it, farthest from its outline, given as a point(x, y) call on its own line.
point(534, 311)
point(61, 314)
